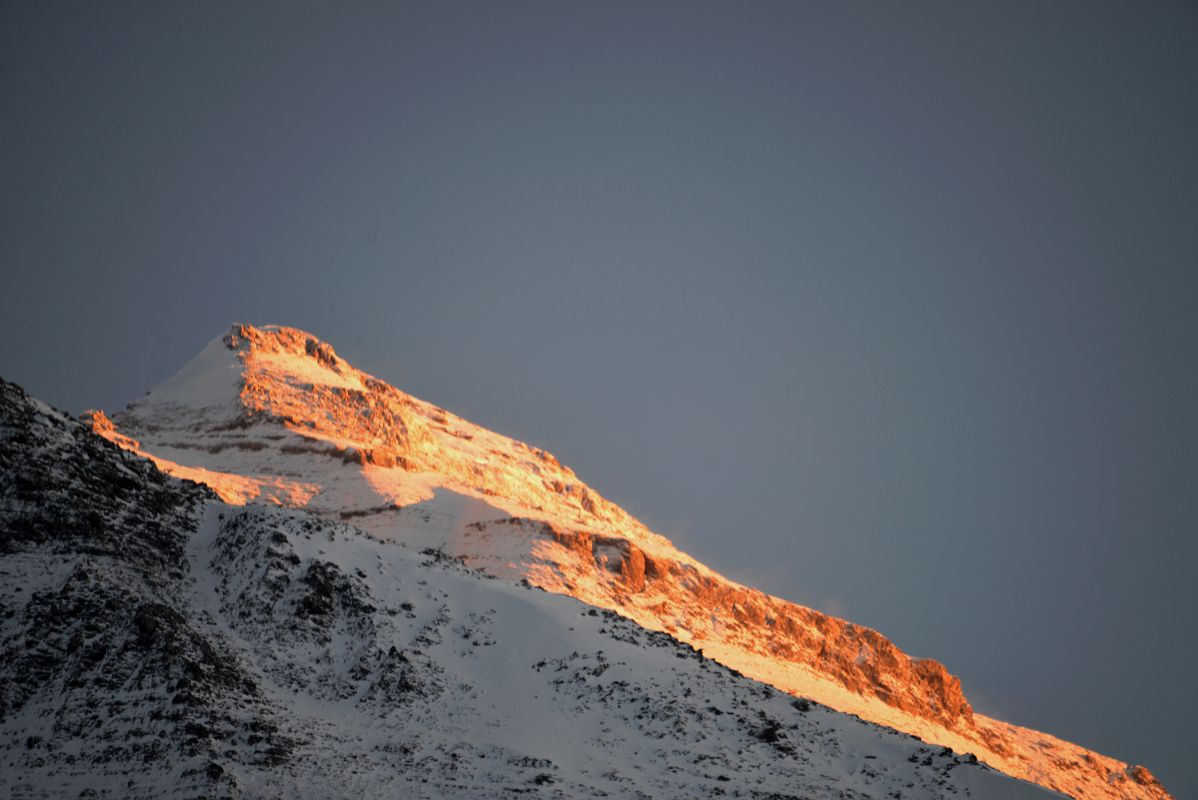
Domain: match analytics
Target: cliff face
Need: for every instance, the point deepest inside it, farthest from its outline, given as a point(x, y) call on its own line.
point(274, 415)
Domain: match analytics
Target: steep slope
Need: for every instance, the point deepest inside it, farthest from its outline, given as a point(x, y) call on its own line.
point(157, 642)
point(274, 415)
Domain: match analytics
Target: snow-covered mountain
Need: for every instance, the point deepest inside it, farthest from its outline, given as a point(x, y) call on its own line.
point(158, 642)
point(272, 415)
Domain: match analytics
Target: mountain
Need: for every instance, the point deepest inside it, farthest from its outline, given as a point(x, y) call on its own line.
point(272, 415)
point(158, 642)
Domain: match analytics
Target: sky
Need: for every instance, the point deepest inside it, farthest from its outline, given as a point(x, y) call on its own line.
point(888, 309)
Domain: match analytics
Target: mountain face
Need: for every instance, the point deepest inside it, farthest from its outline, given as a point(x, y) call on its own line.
point(272, 415)
point(158, 642)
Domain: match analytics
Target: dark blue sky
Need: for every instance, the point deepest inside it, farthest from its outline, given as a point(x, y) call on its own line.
point(887, 309)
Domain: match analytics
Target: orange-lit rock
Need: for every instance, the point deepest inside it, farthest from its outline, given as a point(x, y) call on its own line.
point(274, 415)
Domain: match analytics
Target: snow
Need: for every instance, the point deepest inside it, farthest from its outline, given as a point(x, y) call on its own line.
point(212, 378)
point(300, 370)
point(536, 679)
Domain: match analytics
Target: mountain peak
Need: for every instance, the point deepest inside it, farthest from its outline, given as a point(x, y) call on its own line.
point(272, 414)
point(279, 339)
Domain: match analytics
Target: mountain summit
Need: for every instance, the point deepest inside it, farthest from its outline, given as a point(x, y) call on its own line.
point(273, 415)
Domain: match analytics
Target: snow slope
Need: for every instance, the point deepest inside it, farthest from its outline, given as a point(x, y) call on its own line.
point(158, 642)
point(273, 415)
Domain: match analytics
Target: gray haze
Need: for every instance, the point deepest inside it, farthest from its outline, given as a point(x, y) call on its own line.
point(889, 310)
